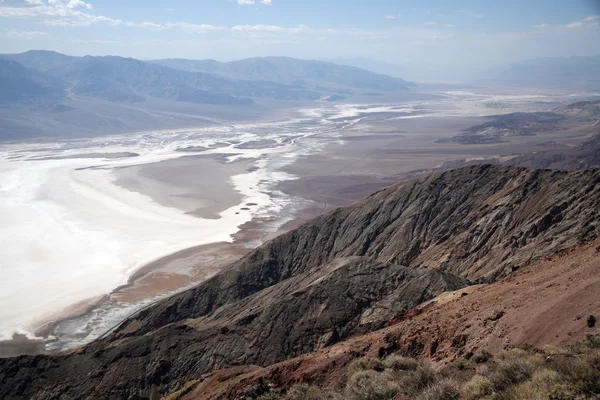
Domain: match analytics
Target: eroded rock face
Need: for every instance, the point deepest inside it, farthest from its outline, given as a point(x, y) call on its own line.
point(344, 273)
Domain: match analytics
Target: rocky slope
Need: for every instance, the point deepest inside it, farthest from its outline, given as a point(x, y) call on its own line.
point(343, 274)
point(545, 304)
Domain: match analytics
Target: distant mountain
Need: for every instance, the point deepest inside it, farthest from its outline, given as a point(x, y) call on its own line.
point(500, 127)
point(167, 93)
point(41, 60)
point(291, 71)
point(22, 85)
point(118, 79)
point(576, 72)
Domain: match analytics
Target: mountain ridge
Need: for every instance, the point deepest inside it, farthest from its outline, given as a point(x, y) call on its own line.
point(121, 79)
point(286, 298)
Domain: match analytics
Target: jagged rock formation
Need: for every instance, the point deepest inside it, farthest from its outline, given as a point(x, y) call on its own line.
point(344, 273)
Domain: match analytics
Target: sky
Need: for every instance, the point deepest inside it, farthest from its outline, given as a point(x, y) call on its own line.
point(427, 34)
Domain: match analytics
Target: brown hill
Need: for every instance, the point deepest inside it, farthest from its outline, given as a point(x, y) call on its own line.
point(343, 274)
point(545, 304)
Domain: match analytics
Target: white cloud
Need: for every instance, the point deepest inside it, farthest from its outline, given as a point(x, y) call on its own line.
point(69, 4)
point(199, 28)
point(56, 12)
point(393, 16)
point(150, 25)
point(592, 20)
point(250, 2)
point(24, 34)
point(430, 23)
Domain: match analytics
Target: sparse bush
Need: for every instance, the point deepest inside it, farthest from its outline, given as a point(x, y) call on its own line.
point(593, 341)
point(514, 353)
point(584, 373)
point(306, 392)
point(365, 364)
point(591, 321)
point(413, 382)
point(268, 396)
point(572, 372)
point(477, 388)
point(553, 351)
point(371, 385)
point(399, 363)
point(481, 357)
point(462, 364)
point(444, 389)
point(562, 391)
point(511, 372)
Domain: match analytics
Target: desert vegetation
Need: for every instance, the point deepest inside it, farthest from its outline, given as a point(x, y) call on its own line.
point(571, 372)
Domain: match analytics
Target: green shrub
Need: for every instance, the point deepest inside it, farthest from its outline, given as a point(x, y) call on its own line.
point(371, 385)
point(268, 396)
point(478, 387)
point(399, 363)
point(481, 357)
point(414, 382)
point(444, 389)
point(306, 392)
point(593, 341)
point(509, 373)
point(365, 364)
point(584, 373)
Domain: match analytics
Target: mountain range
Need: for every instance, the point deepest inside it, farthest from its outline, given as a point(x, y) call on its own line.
point(556, 72)
point(118, 79)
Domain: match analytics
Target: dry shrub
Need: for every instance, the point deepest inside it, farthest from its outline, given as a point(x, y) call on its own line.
point(481, 357)
point(553, 351)
point(514, 354)
point(583, 373)
point(413, 382)
point(399, 363)
point(478, 387)
point(365, 364)
point(510, 372)
point(371, 385)
point(544, 384)
point(445, 389)
point(306, 392)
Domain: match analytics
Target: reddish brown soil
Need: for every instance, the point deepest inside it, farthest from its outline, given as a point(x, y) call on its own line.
point(546, 304)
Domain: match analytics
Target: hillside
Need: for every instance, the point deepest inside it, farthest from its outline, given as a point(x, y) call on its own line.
point(501, 127)
point(341, 275)
point(557, 72)
point(118, 79)
point(293, 72)
point(462, 329)
point(21, 85)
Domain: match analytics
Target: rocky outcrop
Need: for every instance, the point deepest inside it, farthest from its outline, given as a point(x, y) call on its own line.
point(345, 273)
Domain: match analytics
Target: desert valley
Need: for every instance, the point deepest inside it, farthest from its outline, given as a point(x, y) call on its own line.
point(285, 228)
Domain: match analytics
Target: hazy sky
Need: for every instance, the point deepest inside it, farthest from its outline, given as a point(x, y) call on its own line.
point(425, 32)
